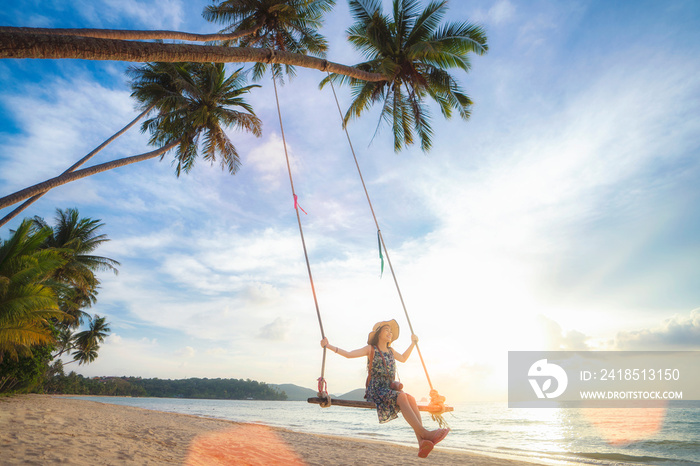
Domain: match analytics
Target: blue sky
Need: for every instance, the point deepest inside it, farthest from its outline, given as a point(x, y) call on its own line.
point(563, 215)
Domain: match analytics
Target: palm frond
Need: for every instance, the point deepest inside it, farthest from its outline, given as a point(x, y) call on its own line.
point(363, 10)
point(413, 51)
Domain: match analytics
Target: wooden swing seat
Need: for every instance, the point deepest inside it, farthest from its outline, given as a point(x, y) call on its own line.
point(369, 404)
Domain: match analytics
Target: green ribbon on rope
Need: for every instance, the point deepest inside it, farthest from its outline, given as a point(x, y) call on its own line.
point(379, 240)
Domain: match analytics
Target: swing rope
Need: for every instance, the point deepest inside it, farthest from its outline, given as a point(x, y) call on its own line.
point(322, 386)
point(437, 402)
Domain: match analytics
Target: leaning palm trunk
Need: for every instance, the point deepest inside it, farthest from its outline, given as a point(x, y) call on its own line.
point(125, 34)
point(75, 166)
point(30, 45)
point(76, 175)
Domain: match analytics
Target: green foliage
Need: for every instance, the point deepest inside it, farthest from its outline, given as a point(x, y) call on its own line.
point(86, 343)
point(27, 299)
point(413, 51)
point(47, 278)
point(75, 239)
point(288, 25)
point(195, 103)
point(223, 389)
point(26, 373)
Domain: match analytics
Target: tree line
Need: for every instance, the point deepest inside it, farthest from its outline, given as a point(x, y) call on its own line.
point(197, 388)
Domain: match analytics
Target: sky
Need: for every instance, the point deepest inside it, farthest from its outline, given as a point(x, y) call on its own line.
point(563, 215)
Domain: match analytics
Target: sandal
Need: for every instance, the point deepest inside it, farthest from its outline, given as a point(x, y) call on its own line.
point(426, 446)
point(442, 433)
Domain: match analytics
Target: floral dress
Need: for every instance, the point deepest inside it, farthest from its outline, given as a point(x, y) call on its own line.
point(380, 377)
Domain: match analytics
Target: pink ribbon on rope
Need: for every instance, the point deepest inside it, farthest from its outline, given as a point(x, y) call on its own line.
point(296, 204)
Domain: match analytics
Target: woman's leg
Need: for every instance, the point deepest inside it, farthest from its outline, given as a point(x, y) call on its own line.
point(410, 412)
point(414, 406)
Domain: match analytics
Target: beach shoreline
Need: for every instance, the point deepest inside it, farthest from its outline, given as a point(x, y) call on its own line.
point(45, 429)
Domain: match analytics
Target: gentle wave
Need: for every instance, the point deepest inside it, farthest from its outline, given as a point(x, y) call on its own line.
point(555, 436)
point(630, 459)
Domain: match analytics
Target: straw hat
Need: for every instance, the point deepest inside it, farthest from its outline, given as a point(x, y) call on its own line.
point(393, 325)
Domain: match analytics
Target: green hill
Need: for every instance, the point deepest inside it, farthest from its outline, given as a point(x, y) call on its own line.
point(295, 392)
point(358, 394)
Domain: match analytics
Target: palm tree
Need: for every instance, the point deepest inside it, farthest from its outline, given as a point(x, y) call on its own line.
point(80, 174)
point(126, 34)
point(64, 341)
point(412, 50)
point(76, 239)
point(27, 303)
point(195, 101)
point(281, 25)
point(14, 44)
point(74, 167)
point(87, 342)
point(206, 100)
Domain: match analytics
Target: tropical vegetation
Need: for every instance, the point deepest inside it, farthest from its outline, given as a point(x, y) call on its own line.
point(75, 166)
point(280, 25)
point(47, 281)
point(222, 389)
point(194, 101)
point(48, 273)
point(412, 50)
point(408, 55)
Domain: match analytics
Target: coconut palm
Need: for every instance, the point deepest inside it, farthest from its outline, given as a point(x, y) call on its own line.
point(21, 44)
point(87, 342)
point(64, 341)
point(412, 50)
point(76, 239)
point(126, 34)
point(195, 101)
point(207, 102)
point(281, 25)
point(27, 303)
point(75, 166)
point(84, 355)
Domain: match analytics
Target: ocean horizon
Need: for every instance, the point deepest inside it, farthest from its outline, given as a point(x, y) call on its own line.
point(661, 436)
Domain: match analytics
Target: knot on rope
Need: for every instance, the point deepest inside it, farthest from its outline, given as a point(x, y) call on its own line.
point(323, 393)
point(436, 408)
point(271, 57)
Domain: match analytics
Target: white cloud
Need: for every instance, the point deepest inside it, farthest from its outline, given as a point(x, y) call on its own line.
point(501, 12)
point(556, 339)
point(187, 352)
point(278, 329)
point(675, 333)
point(55, 119)
point(159, 14)
point(515, 214)
point(269, 163)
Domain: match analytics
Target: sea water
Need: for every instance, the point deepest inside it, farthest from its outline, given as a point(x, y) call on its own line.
point(669, 436)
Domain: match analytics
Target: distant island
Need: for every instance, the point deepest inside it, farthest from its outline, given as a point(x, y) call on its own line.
point(216, 389)
point(198, 388)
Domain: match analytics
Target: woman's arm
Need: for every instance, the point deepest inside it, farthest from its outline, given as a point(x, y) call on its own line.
point(404, 357)
point(348, 354)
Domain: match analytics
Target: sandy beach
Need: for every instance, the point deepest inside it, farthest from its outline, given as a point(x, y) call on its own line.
point(42, 429)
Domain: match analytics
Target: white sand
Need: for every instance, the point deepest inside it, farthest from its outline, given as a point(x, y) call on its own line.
point(42, 430)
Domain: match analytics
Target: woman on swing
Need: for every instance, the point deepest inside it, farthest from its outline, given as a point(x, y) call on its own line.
point(381, 368)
